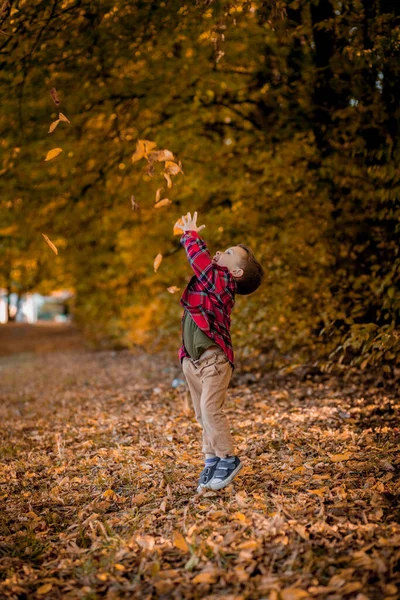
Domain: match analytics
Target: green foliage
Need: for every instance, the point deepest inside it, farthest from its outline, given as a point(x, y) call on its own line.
point(285, 117)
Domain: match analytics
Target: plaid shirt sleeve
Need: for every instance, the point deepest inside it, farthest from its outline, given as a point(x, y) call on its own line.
point(217, 281)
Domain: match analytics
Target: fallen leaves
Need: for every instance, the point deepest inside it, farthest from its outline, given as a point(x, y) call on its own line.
point(180, 542)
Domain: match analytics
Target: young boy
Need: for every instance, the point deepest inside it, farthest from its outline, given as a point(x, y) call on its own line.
point(206, 353)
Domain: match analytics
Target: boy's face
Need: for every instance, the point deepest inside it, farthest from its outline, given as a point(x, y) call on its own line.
point(231, 258)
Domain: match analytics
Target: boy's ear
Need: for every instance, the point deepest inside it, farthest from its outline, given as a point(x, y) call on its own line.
point(237, 272)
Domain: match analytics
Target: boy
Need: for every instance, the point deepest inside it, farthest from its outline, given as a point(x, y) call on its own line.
point(206, 353)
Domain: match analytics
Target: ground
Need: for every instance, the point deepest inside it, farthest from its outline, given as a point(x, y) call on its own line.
point(100, 459)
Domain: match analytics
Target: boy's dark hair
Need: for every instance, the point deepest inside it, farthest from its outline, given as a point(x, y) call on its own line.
point(253, 273)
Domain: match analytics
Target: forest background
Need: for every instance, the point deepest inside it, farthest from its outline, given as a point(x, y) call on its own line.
point(283, 122)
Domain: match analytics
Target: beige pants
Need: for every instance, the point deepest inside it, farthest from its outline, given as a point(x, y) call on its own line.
point(208, 379)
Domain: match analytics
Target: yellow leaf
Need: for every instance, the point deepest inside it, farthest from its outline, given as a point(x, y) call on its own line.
point(148, 146)
point(319, 492)
point(172, 168)
point(169, 180)
point(155, 568)
point(50, 243)
point(119, 567)
point(239, 517)
point(53, 126)
point(294, 594)
point(173, 289)
point(139, 152)
point(158, 193)
point(180, 542)
point(340, 457)
point(44, 589)
point(157, 262)
point(178, 231)
point(205, 577)
point(102, 576)
point(63, 118)
point(248, 545)
point(164, 202)
point(53, 153)
point(109, 493)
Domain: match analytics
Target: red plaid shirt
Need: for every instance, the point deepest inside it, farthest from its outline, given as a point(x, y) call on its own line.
point(209, 296)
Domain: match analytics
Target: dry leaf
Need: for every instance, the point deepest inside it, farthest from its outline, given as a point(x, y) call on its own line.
point(249, 545)
point(180, 542)
point(119, 567)
point(134, 205)
point(169, 180)
point(148, 147)
point(239, 517)
point(161, 156)
point(173, 289)
point(50, 243)
point(176, 230)
point(102, 576)
point(340, 457)
point(158, 193)
point(53, 126)
point(63, 118)
point(139, 152)
point(205, 577)
point(44, 589)
point(109, 494)
point(294, 594)
point(53, 153)
point(157, 262)
point(146, 541)
point(54, 96)
point(172, 168)
point(164, 202)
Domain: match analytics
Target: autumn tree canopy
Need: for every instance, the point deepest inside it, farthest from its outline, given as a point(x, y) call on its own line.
point(284, 118)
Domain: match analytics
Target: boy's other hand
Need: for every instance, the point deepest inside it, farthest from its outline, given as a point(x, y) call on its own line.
point(189, 223)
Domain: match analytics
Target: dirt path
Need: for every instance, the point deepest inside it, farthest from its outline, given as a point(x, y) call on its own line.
point(100, 458)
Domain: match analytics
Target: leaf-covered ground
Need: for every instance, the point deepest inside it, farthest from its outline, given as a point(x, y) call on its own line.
point(100, 459)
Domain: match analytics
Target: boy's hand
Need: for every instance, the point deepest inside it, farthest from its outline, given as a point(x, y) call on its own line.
point(190, 224)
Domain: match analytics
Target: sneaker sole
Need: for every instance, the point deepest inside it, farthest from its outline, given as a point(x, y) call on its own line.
point(225, 482)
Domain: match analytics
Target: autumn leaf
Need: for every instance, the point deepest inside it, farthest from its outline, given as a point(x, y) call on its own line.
point(205, 577)
point(63, 118)
point(340, 457)
point(158, 193)
point(146, 541)
point(161, 156)
point(176, 230)
point(53, 153)
point(180, 542)
point(44, 589)
point(119, 567)
point(164, 202)
point(173, 289)
point(294, 594)
point(53, 126)
point(139, 152)
point(157, 262)
point(172, 168)
point(168, 180)
point(135, 206)
point(54, 96)
point(109, 493)
point(50, 243)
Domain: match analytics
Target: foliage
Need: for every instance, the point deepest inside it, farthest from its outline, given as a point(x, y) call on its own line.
point(286, 119)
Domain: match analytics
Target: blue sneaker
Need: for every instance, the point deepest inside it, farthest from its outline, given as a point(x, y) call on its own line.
point(206, 475)
point(224, 473)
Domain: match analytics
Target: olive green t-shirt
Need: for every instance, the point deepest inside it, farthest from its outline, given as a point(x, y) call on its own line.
point(194, 339)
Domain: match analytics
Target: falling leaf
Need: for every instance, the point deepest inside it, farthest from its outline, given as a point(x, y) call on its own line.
point(177, 230)
point(44, 589)
point(172, 168)
point(53, 126)
point(139, 152)
point(173, 289)
point(169, 180)
point(54, 96)
point(158, 193)
point(180, 542)
point(134, 205)
point(157, 262)
point(53, 153)
point(340, 457)
point(50, 243)
point(164, 202)
point(63, 118)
